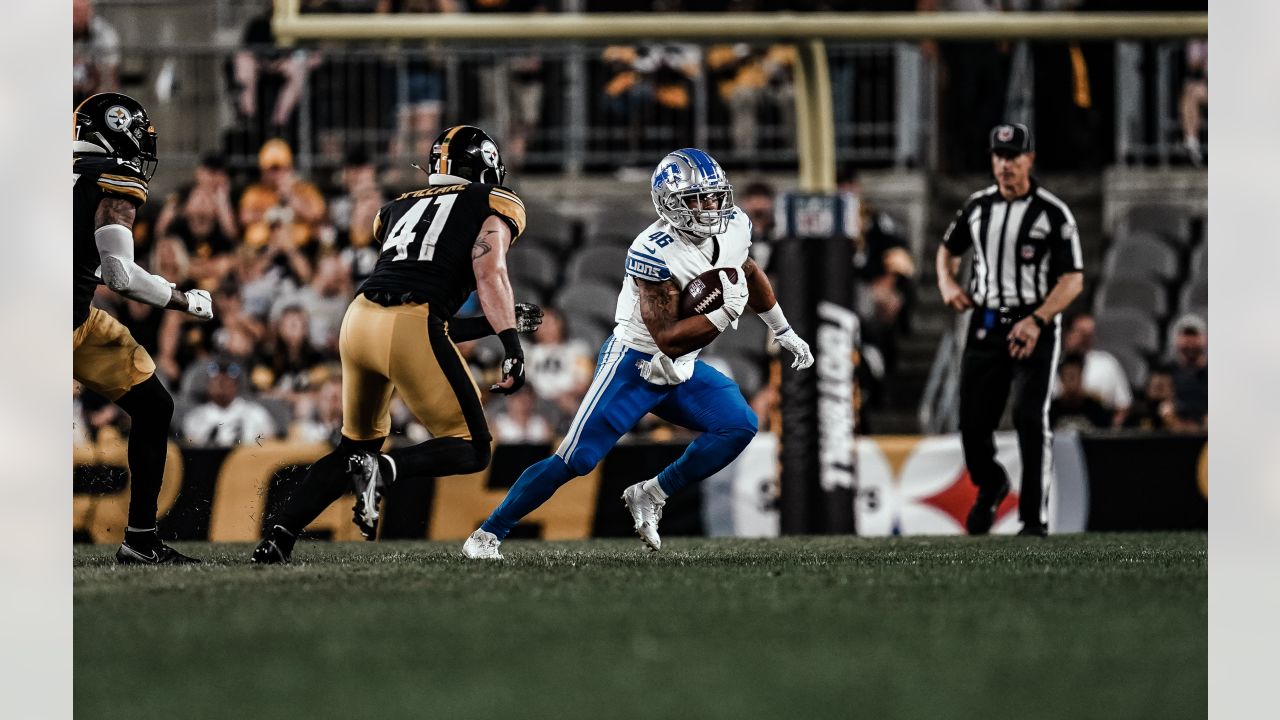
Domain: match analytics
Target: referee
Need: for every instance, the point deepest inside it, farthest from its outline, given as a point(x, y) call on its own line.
point(1026, 269)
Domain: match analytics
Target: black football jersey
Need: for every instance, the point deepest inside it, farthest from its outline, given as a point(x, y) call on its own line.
point(426, 238)
point(93, 179)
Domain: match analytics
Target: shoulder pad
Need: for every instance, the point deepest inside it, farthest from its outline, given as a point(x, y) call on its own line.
point(506, 204)
point(119, 179)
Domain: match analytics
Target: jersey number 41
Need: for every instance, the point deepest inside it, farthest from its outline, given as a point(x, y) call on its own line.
point(421, 226)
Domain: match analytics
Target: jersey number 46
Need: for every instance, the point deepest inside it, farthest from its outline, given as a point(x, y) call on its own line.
point(421, 226)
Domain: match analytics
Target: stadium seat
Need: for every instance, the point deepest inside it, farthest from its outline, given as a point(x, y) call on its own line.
point(1194, 294)
point(1127, 330)
point(601, 263)
point(1134, 364)
point(1137, 293)
point(1168, 221)
point(1141, 254)
point(526, 293)
point(547, 228)
point(750, 340)
point(746, 372)
point(613, 238)
point(1200, 263)
point(281, 412)
point(589, 299)
point(533, 265)
point(590, 329)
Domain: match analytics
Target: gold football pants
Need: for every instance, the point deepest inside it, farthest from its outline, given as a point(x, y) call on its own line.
point(403, 347)
point(106, 359)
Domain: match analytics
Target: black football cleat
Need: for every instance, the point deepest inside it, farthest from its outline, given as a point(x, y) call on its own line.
point(367, 482)
point(983, 514)
point(159, 554)
point(275, 549)
point(1033, 530)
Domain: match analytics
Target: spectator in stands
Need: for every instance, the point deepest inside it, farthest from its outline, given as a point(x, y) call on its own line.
point(1104, 376)
point(280, 199)
point(519, 421)
point(752, 80)
point(95, 52)
point(287, 365)
point(226, 418)
point(1190, 371)
point(757, 201)
point(319, 417)
point(1074, 408)
point(650, 85)
point(558, 368)
point(201, 215)
point(1156, 404)
point(524, 81)
point(422, 97)
point(324, 300)
point(1194, 98)
point(974, 79)
point(267, 82)
point(883, 271)
point(357, 189)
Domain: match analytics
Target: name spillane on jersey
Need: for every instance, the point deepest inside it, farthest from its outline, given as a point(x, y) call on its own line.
point(1020, 247)
point(657, 255)
point(95, 178)
point(427, 236)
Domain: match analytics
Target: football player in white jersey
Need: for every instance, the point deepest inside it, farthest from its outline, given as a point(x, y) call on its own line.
point(649, 363)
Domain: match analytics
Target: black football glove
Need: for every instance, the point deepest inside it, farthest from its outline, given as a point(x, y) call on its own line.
point(528, 317)
point(512, 362)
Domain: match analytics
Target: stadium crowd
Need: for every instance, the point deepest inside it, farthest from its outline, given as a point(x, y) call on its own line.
point(282, 251)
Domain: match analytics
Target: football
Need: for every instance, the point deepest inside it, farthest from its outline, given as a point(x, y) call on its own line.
point(704, 294)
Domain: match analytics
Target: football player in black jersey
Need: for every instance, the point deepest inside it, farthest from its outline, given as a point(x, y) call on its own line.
point(113, 155)
point(438, 245)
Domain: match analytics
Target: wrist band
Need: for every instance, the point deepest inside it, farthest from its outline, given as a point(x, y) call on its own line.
point(1039, 321)
point(511, 343)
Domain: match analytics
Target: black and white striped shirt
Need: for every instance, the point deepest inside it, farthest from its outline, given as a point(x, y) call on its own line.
point(1020, 247)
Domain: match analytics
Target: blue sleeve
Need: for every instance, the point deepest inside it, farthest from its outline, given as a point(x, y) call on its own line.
point(646, 266)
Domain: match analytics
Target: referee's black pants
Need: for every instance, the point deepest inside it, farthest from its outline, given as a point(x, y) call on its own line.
point(987, 374)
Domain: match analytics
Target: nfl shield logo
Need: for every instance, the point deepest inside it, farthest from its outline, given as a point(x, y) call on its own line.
point(696, 287)
point(1004, 133)
point(1028, 252)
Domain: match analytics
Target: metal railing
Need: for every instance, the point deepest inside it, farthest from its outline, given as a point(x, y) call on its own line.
point(558, 108)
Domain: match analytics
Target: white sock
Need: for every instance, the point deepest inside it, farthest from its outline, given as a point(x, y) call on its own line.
point(393, 469)
point(652, 487)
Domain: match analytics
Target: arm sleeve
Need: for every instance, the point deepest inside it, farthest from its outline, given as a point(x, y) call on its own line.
point(957, 238)
point(470, 328)
point(508, 206)
point(122, 274)
point(645, 262)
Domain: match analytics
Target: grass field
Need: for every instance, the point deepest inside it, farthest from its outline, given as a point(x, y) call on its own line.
point(1084, 626)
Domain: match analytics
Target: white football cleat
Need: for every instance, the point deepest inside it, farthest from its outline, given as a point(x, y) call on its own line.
point(482, 546)
point(646, 511)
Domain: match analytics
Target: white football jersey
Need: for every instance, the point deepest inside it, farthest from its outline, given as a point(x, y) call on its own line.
point(659, 254)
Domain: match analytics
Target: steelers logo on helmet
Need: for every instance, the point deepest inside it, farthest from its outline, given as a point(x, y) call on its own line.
point(489, 153)
point(1004, 133)
point(117, 118)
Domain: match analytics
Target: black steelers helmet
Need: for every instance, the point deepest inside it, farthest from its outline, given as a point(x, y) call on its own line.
point(116, 125)
point(467, 152)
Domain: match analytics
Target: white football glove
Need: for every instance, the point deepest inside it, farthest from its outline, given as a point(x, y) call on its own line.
point(735, 294)
point(199, 304)
point(798, 347)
